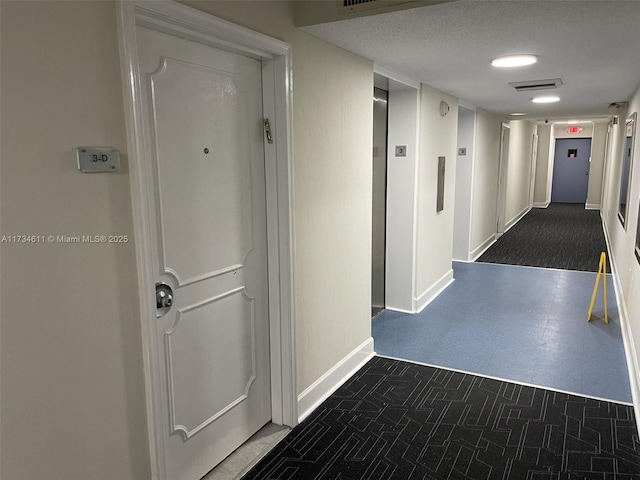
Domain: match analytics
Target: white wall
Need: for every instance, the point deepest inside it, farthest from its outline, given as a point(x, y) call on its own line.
point(332, 185)
point(401, 197)
point(621, 242)
point(596, 168)
point(72, 379)
point(485, 181)
point(542, 166)
point(438, 137)
point(519, 170)
point(464, 179)
point(482, 181)
point(332, 182)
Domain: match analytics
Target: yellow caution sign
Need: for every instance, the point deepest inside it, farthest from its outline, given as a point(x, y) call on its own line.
point(602, 271)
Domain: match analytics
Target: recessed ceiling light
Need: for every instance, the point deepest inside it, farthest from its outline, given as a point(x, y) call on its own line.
point(514, 61)
point(516, 114)
point(549, 99)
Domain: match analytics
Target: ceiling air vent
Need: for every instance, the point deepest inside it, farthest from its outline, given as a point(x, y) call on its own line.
point(349, 3)
point(536, 85)
point(350, 6)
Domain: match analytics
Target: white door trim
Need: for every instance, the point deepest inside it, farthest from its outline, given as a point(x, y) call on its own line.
point(534, 163)
point(502, 182)
point(186, 22)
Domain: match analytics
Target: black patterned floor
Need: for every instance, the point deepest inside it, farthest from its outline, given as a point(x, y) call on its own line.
point(563, 236)
point(398, 420)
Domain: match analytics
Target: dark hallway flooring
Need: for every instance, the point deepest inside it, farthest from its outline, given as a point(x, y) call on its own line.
point(563, 236)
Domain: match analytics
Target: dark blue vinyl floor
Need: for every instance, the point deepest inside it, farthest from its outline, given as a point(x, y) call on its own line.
point(523, 324)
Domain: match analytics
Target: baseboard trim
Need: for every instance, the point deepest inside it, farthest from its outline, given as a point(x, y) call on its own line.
point(432, 292)
point(592, 206)
point(625, 326)
point(477, 253)
point(328, 383)
point(462, 260)
point(401, 310)
point(516, 219)
point(541, 204)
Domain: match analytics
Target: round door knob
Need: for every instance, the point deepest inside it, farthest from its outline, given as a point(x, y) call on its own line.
point(164, 299)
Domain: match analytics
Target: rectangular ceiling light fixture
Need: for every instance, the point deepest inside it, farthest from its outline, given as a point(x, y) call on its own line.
point(536, 85)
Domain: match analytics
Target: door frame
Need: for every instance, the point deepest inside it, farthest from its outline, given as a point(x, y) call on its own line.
point(534, 163)
point(384, 229)
point(605, 165)
point(275, 55)
point(503, 165)
point(552, 164)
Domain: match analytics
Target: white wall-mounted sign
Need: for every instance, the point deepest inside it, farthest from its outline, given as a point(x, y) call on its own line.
point(98, 159)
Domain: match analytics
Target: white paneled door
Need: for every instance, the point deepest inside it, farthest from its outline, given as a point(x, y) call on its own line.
point(206, 178)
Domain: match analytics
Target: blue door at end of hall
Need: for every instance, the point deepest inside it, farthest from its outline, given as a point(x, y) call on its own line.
point(571, 170)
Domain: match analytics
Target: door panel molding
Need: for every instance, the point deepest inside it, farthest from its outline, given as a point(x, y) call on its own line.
point(181, 428)
point(185, 22)
point(179, 74)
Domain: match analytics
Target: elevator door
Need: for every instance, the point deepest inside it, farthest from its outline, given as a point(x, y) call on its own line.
point(379, 207)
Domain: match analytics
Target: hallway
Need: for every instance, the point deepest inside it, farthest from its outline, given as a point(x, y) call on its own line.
point(511, 319)
point(565, 236)
point(90, 376)
point(522, 324)
point(414, 412)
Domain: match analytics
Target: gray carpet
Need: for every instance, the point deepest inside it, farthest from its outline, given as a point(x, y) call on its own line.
point(563, 236)
point(396, 420)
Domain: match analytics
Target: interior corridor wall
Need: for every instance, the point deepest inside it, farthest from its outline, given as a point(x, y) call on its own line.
point(401, 189)
point(332, 133)
point(464, 181)
point(72, 381)
point(485, 181)
point(547, 135)
point(622, 240)
point(519, 170)
point(434, 250)
point(72, 388)
point(596, 169)
point(541, 194)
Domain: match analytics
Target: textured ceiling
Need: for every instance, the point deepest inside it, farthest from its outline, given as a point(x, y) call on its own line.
point(593, 46)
